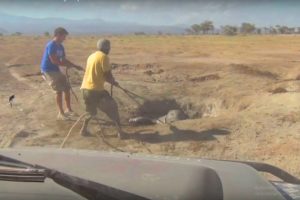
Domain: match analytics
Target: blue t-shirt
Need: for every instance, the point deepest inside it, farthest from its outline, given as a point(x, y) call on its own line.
point(52, 48)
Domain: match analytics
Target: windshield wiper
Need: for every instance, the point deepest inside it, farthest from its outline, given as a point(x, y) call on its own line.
point(21, 175)
point(15, 170)
point(12, 170)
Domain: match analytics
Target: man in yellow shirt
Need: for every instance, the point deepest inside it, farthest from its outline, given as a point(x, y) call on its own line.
point(97, 72)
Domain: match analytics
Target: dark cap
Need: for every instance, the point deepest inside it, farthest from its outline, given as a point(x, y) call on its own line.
point(60, 31)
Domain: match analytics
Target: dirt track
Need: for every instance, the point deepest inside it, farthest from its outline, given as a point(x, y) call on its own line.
point(232, 88)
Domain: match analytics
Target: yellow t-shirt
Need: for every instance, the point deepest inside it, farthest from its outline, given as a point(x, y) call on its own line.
point(97, 64)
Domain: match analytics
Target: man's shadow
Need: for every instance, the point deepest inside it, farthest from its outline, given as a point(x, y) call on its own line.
point(178, 135)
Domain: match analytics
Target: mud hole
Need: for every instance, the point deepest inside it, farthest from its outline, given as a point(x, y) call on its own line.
point(278, 90)
point(245, 69)
point(126, 66)
point(151, 72)
point(157, 108)
point(205, 78)
point(211, 107)
point(123, 66)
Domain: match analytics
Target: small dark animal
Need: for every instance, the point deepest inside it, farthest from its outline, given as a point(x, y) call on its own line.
point(10, 100)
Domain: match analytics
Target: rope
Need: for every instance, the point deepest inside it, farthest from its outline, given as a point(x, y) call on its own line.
point(144, 145)
point(101, 133)
point(111, 90)
point(102, 137)
point(131, 95)
point(68, 81)
point(72, 91)
point(69, 133)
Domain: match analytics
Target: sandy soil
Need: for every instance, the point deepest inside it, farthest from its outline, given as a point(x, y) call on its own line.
point(241, 95)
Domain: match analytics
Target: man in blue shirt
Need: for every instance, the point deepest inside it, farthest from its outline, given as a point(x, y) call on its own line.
point(54, 56)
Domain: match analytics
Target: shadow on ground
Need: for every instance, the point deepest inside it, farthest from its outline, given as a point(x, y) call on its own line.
point(178, 135)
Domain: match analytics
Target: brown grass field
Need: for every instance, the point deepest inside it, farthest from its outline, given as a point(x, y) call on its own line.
point(240, 93)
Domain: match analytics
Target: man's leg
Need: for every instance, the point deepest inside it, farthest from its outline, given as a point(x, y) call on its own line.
point(110, 107)
point(54, 79)
point(68, 100)
point(90, 101)
point(59, 102)
point(84, 130)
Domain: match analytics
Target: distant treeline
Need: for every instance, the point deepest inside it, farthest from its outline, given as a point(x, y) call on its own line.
point(208, 28)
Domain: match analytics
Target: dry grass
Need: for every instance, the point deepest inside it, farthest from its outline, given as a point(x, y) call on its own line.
point(223, 82)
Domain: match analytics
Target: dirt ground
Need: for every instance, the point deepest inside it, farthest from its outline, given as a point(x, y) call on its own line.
point(240, 93)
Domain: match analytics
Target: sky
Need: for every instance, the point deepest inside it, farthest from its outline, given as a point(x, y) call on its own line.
point(167, 12)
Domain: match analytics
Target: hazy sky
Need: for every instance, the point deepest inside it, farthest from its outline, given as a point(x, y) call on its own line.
point(168, 12)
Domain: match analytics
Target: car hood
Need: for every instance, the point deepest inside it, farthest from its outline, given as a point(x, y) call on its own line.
point(154, 177)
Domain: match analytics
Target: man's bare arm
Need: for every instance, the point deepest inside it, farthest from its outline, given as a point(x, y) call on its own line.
point(110, 78)
point(65, 62)
point(54, 60)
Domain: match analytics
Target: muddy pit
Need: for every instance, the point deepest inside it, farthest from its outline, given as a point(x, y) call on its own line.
point(157, 108)
point(160, 109)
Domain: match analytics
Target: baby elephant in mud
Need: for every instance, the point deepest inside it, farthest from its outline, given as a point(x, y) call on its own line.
point(171, 116)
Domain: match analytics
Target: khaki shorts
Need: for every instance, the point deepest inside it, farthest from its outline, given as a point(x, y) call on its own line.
point(57, 81)
point(103, 101)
